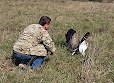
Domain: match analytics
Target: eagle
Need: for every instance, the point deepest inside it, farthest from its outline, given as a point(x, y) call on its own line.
point(74, 44)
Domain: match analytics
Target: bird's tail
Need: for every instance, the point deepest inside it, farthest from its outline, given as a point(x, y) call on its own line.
point(85, 37)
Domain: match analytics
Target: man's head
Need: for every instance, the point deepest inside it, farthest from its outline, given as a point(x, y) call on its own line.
point(45, 21)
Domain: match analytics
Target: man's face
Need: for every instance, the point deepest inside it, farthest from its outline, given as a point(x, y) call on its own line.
point(46, 26)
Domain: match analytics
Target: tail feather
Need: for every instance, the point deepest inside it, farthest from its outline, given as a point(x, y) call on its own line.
point(85, 37)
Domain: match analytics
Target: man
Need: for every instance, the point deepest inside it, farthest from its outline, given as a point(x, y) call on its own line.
point(33, 44)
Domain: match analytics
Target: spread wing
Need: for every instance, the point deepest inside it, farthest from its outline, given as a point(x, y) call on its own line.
point(83, 39)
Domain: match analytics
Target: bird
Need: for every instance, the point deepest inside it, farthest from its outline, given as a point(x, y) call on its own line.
point(82, 47)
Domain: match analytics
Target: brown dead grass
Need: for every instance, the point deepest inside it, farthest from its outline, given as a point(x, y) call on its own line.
point(83, 16)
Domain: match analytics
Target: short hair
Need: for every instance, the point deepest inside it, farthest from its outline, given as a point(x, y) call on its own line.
point(44, 20)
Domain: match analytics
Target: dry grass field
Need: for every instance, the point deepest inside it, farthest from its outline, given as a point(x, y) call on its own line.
point(95, 17)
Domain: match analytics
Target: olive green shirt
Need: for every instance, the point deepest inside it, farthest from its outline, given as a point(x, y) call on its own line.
point(34, 40)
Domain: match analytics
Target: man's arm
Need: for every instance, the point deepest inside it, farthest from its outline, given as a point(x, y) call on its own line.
point(48, 42)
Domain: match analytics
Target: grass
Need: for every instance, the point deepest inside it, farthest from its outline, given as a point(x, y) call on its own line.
point(95, 17)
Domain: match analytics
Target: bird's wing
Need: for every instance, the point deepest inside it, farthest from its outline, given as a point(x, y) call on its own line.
point(83, 38)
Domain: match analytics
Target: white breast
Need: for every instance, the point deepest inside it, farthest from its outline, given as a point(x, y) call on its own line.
point(82, 47)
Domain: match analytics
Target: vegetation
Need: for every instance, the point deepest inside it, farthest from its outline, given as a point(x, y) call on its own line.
point(95, 17)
